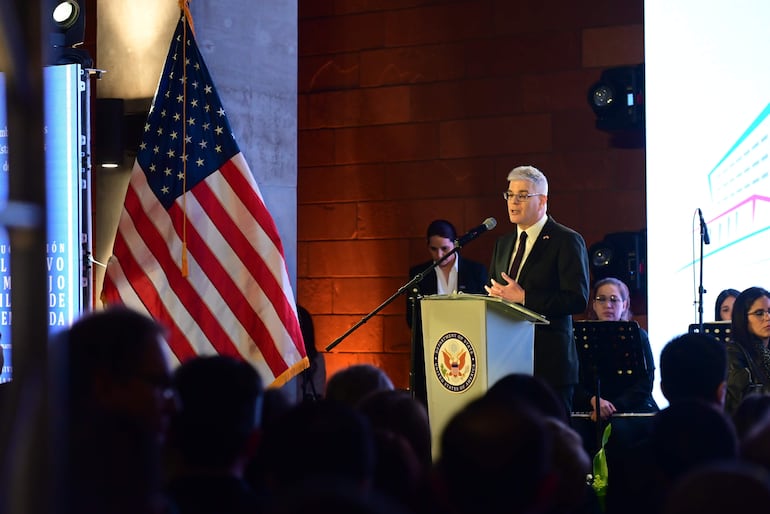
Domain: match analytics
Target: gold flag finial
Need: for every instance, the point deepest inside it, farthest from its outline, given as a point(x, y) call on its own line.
point(184, 6)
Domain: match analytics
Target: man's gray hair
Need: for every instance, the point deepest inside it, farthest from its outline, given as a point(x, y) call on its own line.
point(530, 174)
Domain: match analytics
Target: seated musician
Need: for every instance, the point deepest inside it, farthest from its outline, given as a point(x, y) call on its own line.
point(611, 302)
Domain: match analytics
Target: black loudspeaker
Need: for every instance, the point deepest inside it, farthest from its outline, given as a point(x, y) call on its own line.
point(617, 99)
point(622, 255)
point(108, 133)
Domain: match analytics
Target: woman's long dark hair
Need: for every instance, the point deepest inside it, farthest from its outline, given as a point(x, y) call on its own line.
point(441, 228)
point(724, 295)
point(740, 323)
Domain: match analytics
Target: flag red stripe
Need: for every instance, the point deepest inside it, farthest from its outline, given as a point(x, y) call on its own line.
point(248, 196)
point(246, 251)
point(245, 189)
point(145, 290)
point(192, 302)
point(219, 276)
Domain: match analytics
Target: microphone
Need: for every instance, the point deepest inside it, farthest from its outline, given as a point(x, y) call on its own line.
point(703, 228)
point(473, 233)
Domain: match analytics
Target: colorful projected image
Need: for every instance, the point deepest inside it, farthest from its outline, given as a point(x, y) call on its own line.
point(707, 105)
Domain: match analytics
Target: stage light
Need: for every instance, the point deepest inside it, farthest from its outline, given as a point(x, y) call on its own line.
point(621, 255)
point(67, 31)
point(69, 20)
point(65, 14)
point(618, 99)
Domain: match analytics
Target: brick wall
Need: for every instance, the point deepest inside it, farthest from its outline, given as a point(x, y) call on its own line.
point(411, 110)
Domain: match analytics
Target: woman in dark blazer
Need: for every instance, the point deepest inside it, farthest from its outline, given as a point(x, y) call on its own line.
point(471, 276)
point(748, 356)
point(454, 274)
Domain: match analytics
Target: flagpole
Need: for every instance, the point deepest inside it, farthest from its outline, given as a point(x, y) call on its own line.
point(184, 6)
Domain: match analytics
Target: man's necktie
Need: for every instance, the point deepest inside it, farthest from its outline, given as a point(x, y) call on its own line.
point(519, 255)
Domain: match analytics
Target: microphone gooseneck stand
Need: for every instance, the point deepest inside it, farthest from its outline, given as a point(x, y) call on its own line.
point(488, 224)
point(401, 290)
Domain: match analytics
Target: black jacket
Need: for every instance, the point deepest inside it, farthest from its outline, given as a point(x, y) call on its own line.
point(744, 376)
point(471, 278)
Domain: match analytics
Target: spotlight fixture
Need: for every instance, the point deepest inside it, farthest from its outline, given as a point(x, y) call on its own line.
point(66, 13)
point(69, 23)
point(622, 255)
point(68, 29)
point(618, 99)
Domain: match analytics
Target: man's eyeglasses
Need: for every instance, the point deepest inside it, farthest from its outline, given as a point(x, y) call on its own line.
point(760, 314)
point(521, 197)
point(161, 383)
point(611, 299)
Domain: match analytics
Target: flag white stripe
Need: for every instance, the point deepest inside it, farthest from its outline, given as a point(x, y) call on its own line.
point(156, 274)
point(198, 280)
point(243, 280)
point(129, 297)
point(254, 294)
point(261, 242)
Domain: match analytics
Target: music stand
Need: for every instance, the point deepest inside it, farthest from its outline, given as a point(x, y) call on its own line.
point(610, 353)
point(719, 330)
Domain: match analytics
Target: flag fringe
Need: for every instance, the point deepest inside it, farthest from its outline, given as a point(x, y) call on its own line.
point(290, 373)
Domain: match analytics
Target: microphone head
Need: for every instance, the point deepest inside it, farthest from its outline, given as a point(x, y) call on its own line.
point(490, 223)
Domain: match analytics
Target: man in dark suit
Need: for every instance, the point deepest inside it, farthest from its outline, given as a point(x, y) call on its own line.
point(545, 271)
point(453, 274)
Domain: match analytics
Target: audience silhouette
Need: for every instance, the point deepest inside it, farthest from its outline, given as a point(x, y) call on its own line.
point(640, 475)
point(230, 446)
point(496, 456)
point(213, 436)
point(397, 411)
point(752, 412)
point(351, 384)
point(120, 402)
point(683, 377)
point(719, 488)
point(315, 441)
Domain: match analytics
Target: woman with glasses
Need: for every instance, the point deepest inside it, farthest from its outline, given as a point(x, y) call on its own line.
point(748, 357)
point(612, 302)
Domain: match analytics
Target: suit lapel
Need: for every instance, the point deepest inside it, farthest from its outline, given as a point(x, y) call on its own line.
point(538, 249)
point(431, 282)
point(506, 253)
point(463, 276)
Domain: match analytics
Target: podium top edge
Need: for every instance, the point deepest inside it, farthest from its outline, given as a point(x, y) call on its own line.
point(530, 314)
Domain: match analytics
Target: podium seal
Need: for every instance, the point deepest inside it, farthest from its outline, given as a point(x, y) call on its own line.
point(454, 362)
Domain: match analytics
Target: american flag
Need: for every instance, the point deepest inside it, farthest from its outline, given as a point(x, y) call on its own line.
point(196, 248)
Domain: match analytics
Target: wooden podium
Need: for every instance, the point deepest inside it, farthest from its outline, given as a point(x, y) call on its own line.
point(470, 342)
